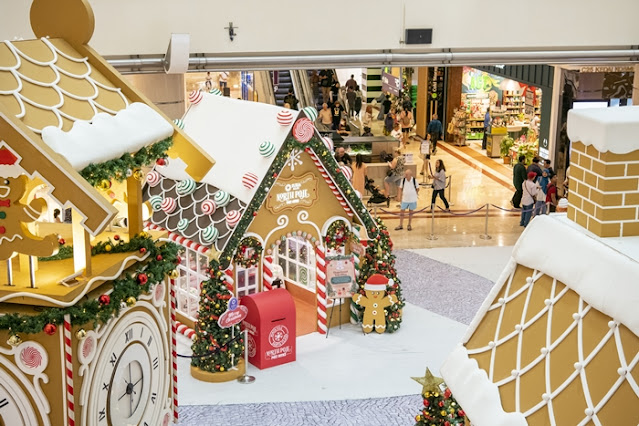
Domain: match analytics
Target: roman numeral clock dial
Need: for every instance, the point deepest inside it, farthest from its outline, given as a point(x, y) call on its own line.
point(130, 374)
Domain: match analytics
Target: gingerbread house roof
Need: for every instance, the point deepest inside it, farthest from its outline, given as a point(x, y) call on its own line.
point(556, 340)
point(607, 129)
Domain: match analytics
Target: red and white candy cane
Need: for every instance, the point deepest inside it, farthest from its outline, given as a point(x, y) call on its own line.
point(267, 273)
point(184, 330)
point(174, 372)
point(330, 182)
point(320, 256)
point(68, 363)
point(228, 277)
point(179, 239)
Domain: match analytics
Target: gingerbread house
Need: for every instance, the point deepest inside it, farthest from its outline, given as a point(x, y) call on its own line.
point(556, 340)
point(273, 199)
point(86, 302)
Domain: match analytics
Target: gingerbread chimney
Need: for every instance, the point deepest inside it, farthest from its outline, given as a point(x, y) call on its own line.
point(604, 170)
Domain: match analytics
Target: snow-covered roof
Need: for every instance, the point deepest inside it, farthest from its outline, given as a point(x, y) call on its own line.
point(231, 131)
point(607, 129)
point(107, 136)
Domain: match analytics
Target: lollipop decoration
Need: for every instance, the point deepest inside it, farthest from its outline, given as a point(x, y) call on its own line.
point(185, 187)
point(232, 218)
point(195, 97)
point(303, 130)
point(285, 117)
point(179, 123)
point(221, 198)
point(216, 92)
point(311, 112)
point(210, 233)
point(156, 203)
point(328, 142)
point(168, 205)
point(153, 178)
point(182, 225)
point(249, 180)
point(267, 148)
point(208, 207)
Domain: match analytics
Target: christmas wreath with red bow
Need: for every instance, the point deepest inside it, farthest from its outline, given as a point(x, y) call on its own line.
point(248, 253)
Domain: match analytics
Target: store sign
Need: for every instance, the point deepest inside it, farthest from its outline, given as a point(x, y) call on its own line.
point(340, 277)
point(292, 192)
point(391, 84)
point(529, 104)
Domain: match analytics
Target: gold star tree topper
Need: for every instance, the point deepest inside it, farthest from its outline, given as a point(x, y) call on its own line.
point(429, 382)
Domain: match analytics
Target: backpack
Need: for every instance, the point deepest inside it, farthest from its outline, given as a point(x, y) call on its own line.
point(414, 183)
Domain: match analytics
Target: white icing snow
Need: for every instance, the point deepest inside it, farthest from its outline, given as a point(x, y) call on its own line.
point(107, 137)
point(231, 131)
point(607, 129)
point(476, 394)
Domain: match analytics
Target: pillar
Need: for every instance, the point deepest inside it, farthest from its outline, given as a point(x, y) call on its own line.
point(422, 102)
point(453, 95)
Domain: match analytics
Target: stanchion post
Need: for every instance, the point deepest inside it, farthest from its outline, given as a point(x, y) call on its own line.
point(450, 188)
point(486, 236)
point(432, 235)
point(32, 272)
point(246, 379)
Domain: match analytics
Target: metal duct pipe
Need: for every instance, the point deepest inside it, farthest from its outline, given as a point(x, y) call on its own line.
point(277, 62)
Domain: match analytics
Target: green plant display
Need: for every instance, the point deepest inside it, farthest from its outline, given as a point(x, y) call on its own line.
point(506, 143)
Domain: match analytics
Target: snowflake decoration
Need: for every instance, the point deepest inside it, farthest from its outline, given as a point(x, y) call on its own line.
point(294, 159)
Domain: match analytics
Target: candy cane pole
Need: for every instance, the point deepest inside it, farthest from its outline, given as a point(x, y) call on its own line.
point(68, 362)
point(267, 273)
point(174, 351)
point(228, 277)
point(320, 260)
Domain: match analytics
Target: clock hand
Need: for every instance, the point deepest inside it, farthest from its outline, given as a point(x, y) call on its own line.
point(122, 396)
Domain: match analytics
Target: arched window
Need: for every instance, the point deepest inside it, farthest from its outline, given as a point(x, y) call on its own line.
point(247, 260)
point(296, 256)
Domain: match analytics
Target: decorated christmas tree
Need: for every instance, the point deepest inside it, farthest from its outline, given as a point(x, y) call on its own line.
point(440, 408)
point(379, 259)
point(215, 349)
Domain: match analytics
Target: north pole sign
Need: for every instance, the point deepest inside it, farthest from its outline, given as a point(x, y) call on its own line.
point(235, 314)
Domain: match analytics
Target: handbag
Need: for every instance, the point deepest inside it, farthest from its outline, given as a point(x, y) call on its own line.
point(389, 172)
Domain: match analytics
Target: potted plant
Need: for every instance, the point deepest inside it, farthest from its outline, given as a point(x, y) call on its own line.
point(504, 148)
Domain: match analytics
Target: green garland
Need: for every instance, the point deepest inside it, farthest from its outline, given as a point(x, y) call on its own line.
point(162, 261)
point(240, 256)
point(337, 234)
point(118, 168)
point(103, 247)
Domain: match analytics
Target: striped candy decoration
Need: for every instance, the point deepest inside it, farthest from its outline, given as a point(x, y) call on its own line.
point(232, 218)
point(347, 172)
point(249, 180)
point(321, 289)
point(174, 371)
point(186, 187)
point(153, 178)
point(216, 92)
point(303, 130)
point(228, 278)
point(208, 207)
point(328, 142)
point(156, 203)
point(285, 117)
point(31, 357)
point(267, 273)
point(183, 224)
point(210, 233)
point(311, 113)
point(267, 148)
point(177, 238)
point(169, 205)
point(356, 261)
point(179, 123)
point(195, 97)
point(221, 198)
point(330, 182)
point(68, 364)
point(185, 330)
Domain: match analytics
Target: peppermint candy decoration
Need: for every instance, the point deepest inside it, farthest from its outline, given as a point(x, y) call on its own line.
point(168, 205)
point(156, 203)
point(179, 123)
point(182, 224)
point(216, 92)
point(208, 207)
point(232, 218)
point(311, 112)
point(285, 117)
point(185, 187)
point(87, 347)
point(303, 130)
point(31, 357)
point(267, 148)
point(153, 178)
point(210, 233)
point(221, 198)
point(195, 97)
point(348, 173)
point(249, 180)
point(328, 142)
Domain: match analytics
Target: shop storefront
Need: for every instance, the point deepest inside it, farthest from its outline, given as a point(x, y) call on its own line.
point(234, 84)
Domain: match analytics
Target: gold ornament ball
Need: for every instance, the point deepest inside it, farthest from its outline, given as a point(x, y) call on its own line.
point(14, 340)
point(221, 368)
point(131, 301)
point(81, 334)
point(217, 306)
point(138, 175)
point(104, 184)
point(108, 247)
point(174, 274)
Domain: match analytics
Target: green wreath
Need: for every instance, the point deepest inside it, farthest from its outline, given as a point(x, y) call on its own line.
point(242, 259)
point(337, 235)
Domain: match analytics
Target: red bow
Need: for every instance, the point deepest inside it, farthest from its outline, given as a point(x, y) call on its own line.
point(5, 203)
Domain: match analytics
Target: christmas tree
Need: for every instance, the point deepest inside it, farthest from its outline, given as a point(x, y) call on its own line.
point(440, 408)
point(379, 259)
point(215, 349)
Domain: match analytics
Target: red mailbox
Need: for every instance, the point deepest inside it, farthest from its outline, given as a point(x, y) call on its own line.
point(271, 328)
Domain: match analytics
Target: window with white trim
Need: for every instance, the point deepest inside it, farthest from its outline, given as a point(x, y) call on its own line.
point(192, 270)
point(247, 279)
point(296, 256)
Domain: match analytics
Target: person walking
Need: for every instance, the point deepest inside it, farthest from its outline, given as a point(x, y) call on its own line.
point(486, 128)
point(552, 200)
point(326, 118)
point(291, 99)
point(338, 110)
point(335, 91)
point(314, 80)
point(519, 176)
point(326, 81)
point(359, 174)
point(439, 184)
point(358, 101)
point(350, 98)
point(396, 172)
point(406, 121)
point(435, 129)
point(528, 198)
point(535, 167)
point(407, 192)
point(351, 83)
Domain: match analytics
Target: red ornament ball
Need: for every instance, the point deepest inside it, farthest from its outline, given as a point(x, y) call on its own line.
point(254, 214)
point(426, 403)
point(160, 161)
point(142, 250)
point(143, 278)
point(158, 257)
point(61, 241)
point(441, 403)
point(446, 423)
point(50, 329)
point(116, 237)
point(461, 413)
point(104, 299)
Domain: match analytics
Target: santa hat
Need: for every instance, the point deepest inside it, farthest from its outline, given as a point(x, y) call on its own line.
point(377, 282)
point(6, 157)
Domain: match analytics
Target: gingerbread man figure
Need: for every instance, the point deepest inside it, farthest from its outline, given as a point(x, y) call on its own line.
point(14, 216)
point(374, 303)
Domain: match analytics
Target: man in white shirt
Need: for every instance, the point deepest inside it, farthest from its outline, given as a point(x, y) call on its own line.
point(408, 190)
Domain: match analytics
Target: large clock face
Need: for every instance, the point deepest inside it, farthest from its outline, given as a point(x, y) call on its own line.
point(130, 376)
point(15, 408)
